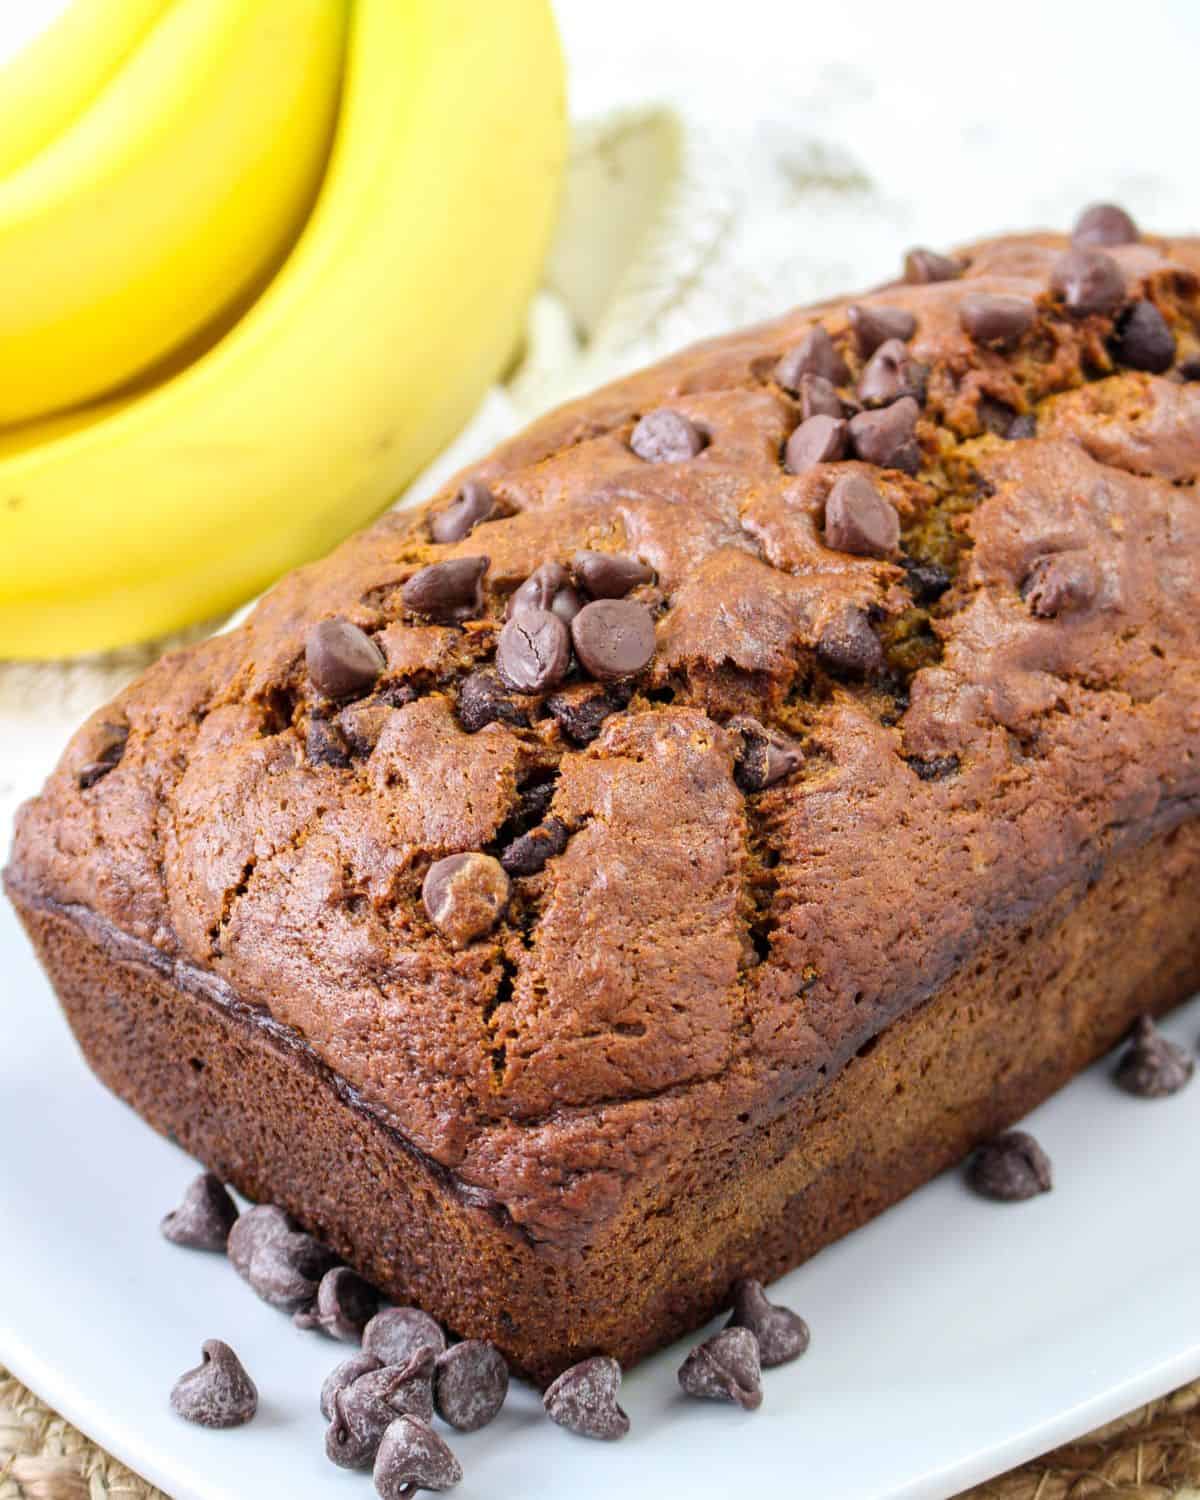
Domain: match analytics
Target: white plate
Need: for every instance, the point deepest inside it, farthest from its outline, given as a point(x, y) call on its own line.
point(952, 1338)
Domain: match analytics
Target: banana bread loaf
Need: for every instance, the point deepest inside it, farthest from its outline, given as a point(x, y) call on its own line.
point(719, 810)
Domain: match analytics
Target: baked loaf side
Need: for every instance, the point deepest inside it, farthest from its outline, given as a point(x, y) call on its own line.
point(922, 568)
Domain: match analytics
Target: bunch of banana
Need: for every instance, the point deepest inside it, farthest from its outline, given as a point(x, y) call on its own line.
point(258, 261)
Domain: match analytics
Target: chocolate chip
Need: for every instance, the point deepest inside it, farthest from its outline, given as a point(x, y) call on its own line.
point(1144, 340)
point(819, 440)
point(218, 1392)
point(470, 1384)
point(343, 661)
point(473, 503)
point(890, 373)
point(818, 398)
point(610, 575)
point(413, 1457)
point(394, 1335)
point(1152, 1067)
point(345, 1305)
point(465, 896)
point(533, 652)
point(1058, 583)
point(933, 767)
point(584, 1399)
point(365, 1409)
point(483, 699)
point(106, 743)
point(666, 437)
point(1189, 369)
point(762, 757)
point(782, 1334)
point(875, 325)
point(580, 710)
point(548, 587)
point(613, 638)
point(286, 1270)
point(927, 581)
point(259, 1225)
point(887, 437)
point(849, 646)
point(859, 520)
point(204, 1217)
point(450, 591)
point(996, 319)
point(343, 1375)
point(1010, 1168)
point(927, 265)
point(815, 354)
point(528, 854)
point(1088, 281)
point(324, 745)
point(1104, 224)
point(725, 1367)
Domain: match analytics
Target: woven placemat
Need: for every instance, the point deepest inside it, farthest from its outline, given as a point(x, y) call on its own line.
point(1152, 1454)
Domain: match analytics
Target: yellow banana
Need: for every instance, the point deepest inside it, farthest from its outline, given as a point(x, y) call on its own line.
point(399, 304)
point(184, 182)
point(53, 79)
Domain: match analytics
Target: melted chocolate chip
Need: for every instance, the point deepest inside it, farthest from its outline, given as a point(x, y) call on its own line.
point(613, 638)
point(815, 354)
point(324, 745)
point(849, 647)
point(483, 699)
point(204, 1217)
point(1144, 340)
point(927, 581)
point(1189, 369)
point(1088, 281)
point(726, 1367)
point(819, 440)
point(343, 1375)
point(1058, 583)
point(584, 1399)
point(533, 652)
point(996, 319)
point(548, 587)
point(666, 437)
point(859, 520)
point(875, 325)
point(470, 1384)
point(106, 743)
point(218, 1392)
point(762, 757)
point(345, 1305)
point(450, 591)
point(782, 1334)
point(933, 767)
point(343, 661)
point(921, 266)
point(413, 1457)
point(887, 437)
point(818, 398)
point(1104, 224)
point(1010, 1168)
point(465, 895)
point(473, 503)
point(581, 709)
point(891, 373)
point(610, 575)
point(1152, 1067)
point(528, 853)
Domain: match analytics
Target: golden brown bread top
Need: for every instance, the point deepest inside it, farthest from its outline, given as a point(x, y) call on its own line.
point(698, 948)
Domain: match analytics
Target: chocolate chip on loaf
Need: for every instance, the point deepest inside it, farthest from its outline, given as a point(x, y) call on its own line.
point(106, 746)
point(218, 1392)
point(859, 520)
point(610, 575)
point(1058, 583)
point(726, 1367)
point(887, 437)
point(473, 503)
point(533, 652)
point(1010, 1168)
point(891, 373)
point(344, 1305)
point(819, 398)
point(470, 1383)
point(528, 853)
point(483, 699)
point(666, 437)
point(927, 581)
point(816, 355)
point(342, 660)
point(782, 1334)
point(1088, 281)
point(923, 266)
point(325, 745)
point(819, 440)
point(1144, 340)
point(581, 709)
point(343, 1375)
point(465, 895)
point(876, 325)
point(763, 757)
point(932, 767)
point(613, 638)
point(450, 591)
point(1104, 224)
point(413, 1457)
point(996, 319)
point(548, 588)
point(204, 1217)
point(584, 1399)
point(1152, 1067)
point(849, 646)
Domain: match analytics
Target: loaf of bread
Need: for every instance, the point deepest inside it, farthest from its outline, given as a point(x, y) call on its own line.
point(723, 807)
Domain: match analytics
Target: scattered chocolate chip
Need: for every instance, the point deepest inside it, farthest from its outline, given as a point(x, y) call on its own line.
point(782, 1334)
point(465, 896)
point(1010, 1168)
point(584, 1399)
point(610, 575)
point(1144, 340)
point(859, 520)
point(763, 757)
point(345, 1305)
point(1152, 1067)
point(413, 1457)
point(204, 1217)
point(1024, 426)
point(666, 437)
point(394, 1335)
point(815, 354)
point(613, 638)
point(528, 854)
point(1104, 224)
point(818, 398)
point(887, 437)
point(933, 767)
point(1058, 583)
point(1189, 369)
point(473, 503)
point(257, 1226)
point(286, 1270)
point(1088, 281)
point(890, 373)
point(364, 1409)
point(450, 591)
point(996, 319)
point(324, 745)
point(927, 581)
point(106, 742)
point(725, 1367)
point(819, 440)
point(533, 652)
point(849, 646)
point(548, 588)
point(343, 1375)
point(483, 699)
point(218, 1392)
point(342, 660)
point(875, 325)
point(927, 265)
point(580, 710)
point(470, 1384)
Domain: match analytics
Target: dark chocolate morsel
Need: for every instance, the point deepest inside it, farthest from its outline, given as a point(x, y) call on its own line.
point(1189, 369)
point(106, 745)
point(450, 591)
point(610, 575)
point(819, 398)
point(473, 503)
point(343, 661)
point(258, 1225)
point(1144, 340)
point(996, 319)
point(324, 744)
point(413, 1457)
point(470, 1384)
point(849, 647)
point(782, 1334)
point(891, 373)
point(1151, 1067)
point(927, 581)
point(933, 767)
point(547, 587)
point(819, 440)
point(1058, 583)
point(483, 699)
point(887, 437)
point(613, 638)
point(875, 325)
point(218, 1392)
point(343, 1375)
point(1088, 281)
point(533, 652)
point(927, 265)
point(584, 1399)
point(204, 1217)
point(365, 1409)
point(1104, 224)
point(666, 437)
point(286, 1270)
point(345, 1305)
point(726, 1367)
point(465, 895)
point(859, 520)
point(815, 354)
point(580, 710)
point(1010, 1168)
point(528, 853)
point(394, 1335)
point(762, 756)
